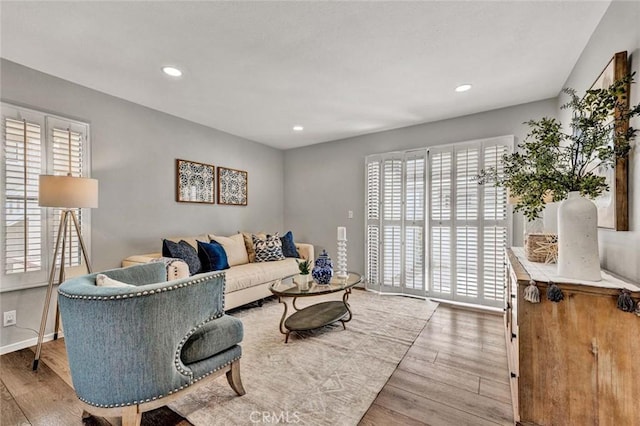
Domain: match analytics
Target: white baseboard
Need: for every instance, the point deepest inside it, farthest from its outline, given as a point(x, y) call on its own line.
point(471, 306)
point(27, 343)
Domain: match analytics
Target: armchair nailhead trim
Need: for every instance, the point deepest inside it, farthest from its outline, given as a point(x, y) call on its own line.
point(177, 361)
point(149, 292)
point(191, 382)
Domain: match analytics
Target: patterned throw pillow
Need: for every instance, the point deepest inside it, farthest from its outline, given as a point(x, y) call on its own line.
point(288, 246)
point(248, 242)
point(268, 249)
point(185, 251)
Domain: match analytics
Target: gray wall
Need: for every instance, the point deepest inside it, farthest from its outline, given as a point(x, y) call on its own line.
point(618, 30)
point(133, 152)
point(323, 182)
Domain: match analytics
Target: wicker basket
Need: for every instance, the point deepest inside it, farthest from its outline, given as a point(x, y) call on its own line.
point(539, 247)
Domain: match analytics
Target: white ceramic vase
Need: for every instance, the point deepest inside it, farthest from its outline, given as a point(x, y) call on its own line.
point(578, 256)
point(303, 282)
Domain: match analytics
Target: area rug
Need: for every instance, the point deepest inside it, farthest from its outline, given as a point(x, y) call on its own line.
point(328, 376)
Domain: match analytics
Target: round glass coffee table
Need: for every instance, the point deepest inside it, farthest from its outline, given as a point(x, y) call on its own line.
point(320, 314)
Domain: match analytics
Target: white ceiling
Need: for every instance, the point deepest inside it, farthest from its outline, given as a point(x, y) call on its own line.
point(340, 69)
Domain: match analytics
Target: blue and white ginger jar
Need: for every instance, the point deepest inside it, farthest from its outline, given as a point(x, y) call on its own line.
point(323, 269)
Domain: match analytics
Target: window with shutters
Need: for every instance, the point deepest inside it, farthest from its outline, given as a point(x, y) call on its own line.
point(431, 229)
point(395, 205)
point(35, 143)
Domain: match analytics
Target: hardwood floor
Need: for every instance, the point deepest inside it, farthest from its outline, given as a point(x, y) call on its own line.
point(454, 374)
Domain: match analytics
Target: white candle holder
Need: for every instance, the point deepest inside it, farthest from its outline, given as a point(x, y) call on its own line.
point(341, 264)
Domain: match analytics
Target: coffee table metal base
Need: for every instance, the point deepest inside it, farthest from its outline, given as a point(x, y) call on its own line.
point(314, 316)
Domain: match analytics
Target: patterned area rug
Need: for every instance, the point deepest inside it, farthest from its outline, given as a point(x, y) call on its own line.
point(328, 376)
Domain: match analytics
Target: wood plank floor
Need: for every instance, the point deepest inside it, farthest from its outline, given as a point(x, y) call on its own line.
point(454, 374)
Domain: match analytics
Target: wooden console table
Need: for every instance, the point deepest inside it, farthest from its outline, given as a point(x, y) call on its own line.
point(574, 362)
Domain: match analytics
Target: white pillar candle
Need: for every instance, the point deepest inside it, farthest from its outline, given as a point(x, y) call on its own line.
point(342, 233)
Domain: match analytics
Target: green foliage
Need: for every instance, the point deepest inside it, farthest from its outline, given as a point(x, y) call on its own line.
point(551, 161)
point(304, 266)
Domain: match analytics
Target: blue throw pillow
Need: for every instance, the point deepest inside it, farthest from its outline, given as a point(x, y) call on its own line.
point(212, 256)
point(182, 250)
point(288, 246)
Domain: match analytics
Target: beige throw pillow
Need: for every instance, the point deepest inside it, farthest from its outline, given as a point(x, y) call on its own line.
point(234, 247)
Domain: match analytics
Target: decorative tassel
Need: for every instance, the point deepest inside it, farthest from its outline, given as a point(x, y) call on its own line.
point(531, 293)
point(625, 302)
point(554, 293)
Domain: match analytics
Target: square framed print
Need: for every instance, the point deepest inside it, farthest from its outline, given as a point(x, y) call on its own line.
point(194, 182)
point(232, 187)
point(613, 205)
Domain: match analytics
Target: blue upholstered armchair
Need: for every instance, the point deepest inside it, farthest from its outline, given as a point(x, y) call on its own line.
point(135, 348)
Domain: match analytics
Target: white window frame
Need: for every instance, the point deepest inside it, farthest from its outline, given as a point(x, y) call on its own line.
point(47, 122)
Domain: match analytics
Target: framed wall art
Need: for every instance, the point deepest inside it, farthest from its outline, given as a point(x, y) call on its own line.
point(194, 182)
point(232, 187)
point(613, 209)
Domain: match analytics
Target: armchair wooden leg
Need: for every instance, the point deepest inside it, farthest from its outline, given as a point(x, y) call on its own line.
point(86, 415)
point(233, 377)
point(131, 416)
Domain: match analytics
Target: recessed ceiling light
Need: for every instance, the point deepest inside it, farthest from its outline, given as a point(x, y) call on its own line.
point(298, 128)
point(463, 88)
point(172, 71)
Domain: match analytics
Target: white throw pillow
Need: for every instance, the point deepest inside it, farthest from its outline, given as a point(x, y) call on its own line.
point(104, 281)
point(234, 247)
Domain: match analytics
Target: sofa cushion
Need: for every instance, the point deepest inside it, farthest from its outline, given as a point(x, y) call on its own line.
point(288, 246)
point(185, 251)
point(252, 274)
point(212, 338)
point(268, 249)
point(234, 247)
point(212, 256)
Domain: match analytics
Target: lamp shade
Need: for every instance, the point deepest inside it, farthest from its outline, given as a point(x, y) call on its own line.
point(67, 191)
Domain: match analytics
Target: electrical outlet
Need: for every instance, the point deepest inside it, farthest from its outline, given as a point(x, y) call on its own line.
point(9, 318)
point(350, 214)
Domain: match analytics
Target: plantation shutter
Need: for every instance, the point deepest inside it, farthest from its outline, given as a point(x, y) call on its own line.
point(391, 222)
point(440, 261)
point(468, 223)
point(414, 223)
point(373, 222)
point(495, 227)
point(67, 158)
point(22, 216)
point(395, 211)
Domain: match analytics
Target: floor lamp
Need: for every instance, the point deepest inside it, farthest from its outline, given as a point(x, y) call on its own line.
point(69, 193)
